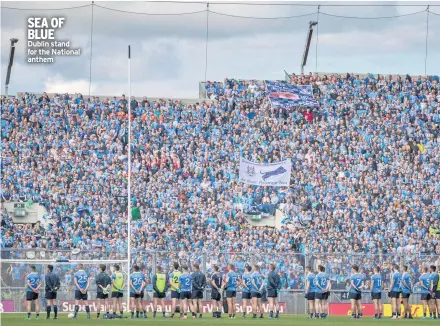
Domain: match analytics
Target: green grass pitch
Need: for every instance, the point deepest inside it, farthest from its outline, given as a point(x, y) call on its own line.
point(207, 320)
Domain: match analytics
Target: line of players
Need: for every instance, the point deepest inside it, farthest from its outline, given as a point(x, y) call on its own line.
point(399, 291)
point(81, 280)
point(186, 291)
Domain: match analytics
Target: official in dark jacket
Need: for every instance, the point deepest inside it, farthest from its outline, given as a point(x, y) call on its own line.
point(273, 286)
point(52, 285)
point(198, 284)
point(103, 281)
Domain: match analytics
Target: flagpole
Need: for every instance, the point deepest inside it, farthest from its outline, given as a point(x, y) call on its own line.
point(129, 182)
point(268, 95)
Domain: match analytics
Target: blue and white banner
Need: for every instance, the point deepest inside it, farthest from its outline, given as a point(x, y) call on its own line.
point(265, 174)
point(288, 96)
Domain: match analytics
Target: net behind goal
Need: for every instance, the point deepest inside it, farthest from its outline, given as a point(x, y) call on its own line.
point(13, 286)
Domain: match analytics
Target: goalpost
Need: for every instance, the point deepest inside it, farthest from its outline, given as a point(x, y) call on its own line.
point(127, 294)
point(13, 290)
point(67, 266)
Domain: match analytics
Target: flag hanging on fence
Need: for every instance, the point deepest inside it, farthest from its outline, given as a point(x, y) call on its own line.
point(265, 174)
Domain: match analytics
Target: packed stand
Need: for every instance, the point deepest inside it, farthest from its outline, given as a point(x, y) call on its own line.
point(365, 177)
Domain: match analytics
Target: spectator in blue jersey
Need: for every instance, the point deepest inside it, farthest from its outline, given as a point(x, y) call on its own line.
point(231, 283)
point(425, 290)
point(185, 283)
point(33, 284)
point(407, 286)
point(256, 292)
point(395, 291)
point(81, 280)
point(137, 285)
point(376, 288)
point(355, 293)
point(246, 286)
point(310, 290)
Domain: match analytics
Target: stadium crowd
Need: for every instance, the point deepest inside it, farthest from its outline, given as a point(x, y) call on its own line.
point(365, 183)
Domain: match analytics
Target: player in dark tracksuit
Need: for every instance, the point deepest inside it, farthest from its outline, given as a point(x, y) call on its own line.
point(52, 285)
point(198, 284)
point(216, 296)
point(273, 286)
point(102, 280)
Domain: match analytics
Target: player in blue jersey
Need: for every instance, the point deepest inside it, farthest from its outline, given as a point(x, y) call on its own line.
point(246, 285)
point(231, 282)
point(322, 288)
point(356, 285)
point(434, 280)
point(81, 281)
point(33, 284)
point(257, 291)
point(406, 292)
point(185, 287)
point(310, 290)
point(425, 289)
point(376, 287)
point(395, 291)
point(137, 284)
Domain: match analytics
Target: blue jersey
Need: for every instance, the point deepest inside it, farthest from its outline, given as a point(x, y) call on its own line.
point(425, 281)
point(432, 278)
point(185, 283)
point(258, 281)
point(247, 279)
point(81, 278)
point(397, 278)
point(311, 279)
point(406, 283)
point(232, 281)
point(357, 280)
point(321, 282)
point(377, 282)
point(34, 279)
point(137, 279)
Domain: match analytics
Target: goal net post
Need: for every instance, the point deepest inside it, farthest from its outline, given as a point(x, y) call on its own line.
point(13, 284)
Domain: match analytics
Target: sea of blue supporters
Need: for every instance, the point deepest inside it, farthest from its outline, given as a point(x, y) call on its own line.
point(364, 185)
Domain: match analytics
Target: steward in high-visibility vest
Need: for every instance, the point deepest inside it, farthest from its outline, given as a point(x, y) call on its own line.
point(437, 288)
point(161, 284)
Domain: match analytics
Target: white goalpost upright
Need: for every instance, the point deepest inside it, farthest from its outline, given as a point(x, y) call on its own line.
point(74, 260)
point(129, 183)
